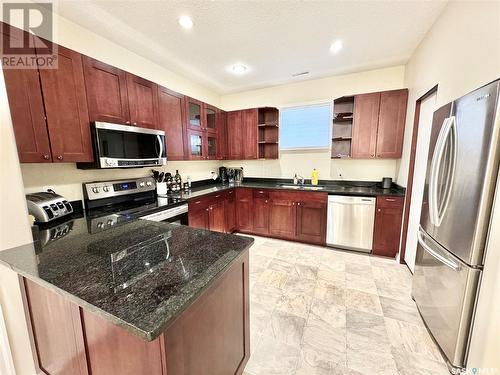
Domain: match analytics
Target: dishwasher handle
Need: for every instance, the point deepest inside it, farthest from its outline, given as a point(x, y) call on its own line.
point(350, 200)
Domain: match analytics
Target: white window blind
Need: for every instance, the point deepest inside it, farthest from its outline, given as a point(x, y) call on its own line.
point(305, 126)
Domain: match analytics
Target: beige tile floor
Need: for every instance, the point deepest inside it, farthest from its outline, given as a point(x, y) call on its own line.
point(318, 311)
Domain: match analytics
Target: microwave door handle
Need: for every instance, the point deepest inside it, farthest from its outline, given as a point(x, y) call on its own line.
point(447, 262)
point(158, 138)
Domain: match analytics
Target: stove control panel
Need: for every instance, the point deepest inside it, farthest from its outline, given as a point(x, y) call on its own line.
point(109, 189)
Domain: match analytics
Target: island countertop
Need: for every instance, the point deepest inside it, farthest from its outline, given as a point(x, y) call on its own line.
point(140, 275)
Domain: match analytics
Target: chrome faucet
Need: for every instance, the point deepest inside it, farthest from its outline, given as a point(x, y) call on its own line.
point(301, 179)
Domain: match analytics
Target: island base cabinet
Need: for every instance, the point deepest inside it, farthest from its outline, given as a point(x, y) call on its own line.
point(212, 336)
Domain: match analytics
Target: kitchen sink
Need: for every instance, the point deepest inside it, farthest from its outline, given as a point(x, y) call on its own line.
point(302, 187)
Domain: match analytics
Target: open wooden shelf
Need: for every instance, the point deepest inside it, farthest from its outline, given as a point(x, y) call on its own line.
point(342, 127)
point(341, 138)
point(342, 119)
point(268, 125)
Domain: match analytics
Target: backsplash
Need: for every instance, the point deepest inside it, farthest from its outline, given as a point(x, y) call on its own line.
point(302, 163)
point(66, 179)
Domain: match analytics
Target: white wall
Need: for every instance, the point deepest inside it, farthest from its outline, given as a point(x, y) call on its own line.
point(14, 231)
point(317, 91)
point(461, 52)
point(427, 108)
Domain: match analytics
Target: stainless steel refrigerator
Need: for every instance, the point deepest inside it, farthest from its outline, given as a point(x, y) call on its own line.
point(462, 173)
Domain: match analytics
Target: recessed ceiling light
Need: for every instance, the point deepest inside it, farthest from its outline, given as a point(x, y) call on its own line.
point(239, 68)
point(185, 22)
point(336, 46)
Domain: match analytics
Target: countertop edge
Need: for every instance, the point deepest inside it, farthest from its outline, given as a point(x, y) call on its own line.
point(147, 336)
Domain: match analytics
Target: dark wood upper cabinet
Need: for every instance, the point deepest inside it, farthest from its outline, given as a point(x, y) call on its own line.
point(66, 108)
point(143, 101)
point(221, 120)
point(195, 114)
point(210, 118)
point(387, 229)
point(196, 144)
point(107, 95)
point(261, 211)
point(26, 108)
point(250, 133)
point(234, 135)
point(311, 220)
point(365, 123)
point(378, 124)
point(171, 108)
point(391, 123)
point(244, 210)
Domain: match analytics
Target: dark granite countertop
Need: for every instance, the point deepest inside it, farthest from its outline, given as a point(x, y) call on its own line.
point(357, 188)
point(139, 275)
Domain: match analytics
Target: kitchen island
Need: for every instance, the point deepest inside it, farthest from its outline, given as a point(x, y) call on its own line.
point(141, 298)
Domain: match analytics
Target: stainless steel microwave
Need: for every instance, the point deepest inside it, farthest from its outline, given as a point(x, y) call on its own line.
point(124, 146)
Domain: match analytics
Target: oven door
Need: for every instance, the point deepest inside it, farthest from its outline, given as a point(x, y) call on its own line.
point(122, 146)
point(174, 215)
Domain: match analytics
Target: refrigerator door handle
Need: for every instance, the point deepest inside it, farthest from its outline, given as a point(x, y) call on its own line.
point(447, 262)
point(451, 135)
point(435, 167)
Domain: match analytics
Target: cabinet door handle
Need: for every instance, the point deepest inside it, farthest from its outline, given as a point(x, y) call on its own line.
point(378, 210)
point(60, 157)
point(266, 200)
point(217, 196)
point(298, 204)
point(293, 203)
point(372, 155)
point(127, 122)
point(135, 123)
point(46, 157)
point(197, 202)
point(390, 200)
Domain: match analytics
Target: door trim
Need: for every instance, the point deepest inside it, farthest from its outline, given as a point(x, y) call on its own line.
point(411, 169)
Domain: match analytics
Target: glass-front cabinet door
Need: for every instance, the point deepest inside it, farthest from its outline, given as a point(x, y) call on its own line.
point(196, 147)
point(194, 112)
point(210, 118)
point(212, 146)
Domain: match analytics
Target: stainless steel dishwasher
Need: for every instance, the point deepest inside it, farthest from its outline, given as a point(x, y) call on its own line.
point(350, 222)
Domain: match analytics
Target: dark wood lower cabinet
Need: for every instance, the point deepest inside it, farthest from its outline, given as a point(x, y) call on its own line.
point(261, 207)
point(217, 217)
point(244, 210)
point(283, 217)
point(230, 210)
point(387, 229)
point(311, 221)
point(212, 336)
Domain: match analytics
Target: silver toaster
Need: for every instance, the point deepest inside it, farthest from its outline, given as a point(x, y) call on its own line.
point(47, 206)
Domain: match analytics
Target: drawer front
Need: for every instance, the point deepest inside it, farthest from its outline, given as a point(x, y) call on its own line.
point(390, 202)
point(261, 193)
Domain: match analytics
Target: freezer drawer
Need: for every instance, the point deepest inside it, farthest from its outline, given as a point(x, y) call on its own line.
point(350, 222)
point(444, 289)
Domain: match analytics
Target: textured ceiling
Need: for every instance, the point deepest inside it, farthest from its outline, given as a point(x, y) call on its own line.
point(275, 39)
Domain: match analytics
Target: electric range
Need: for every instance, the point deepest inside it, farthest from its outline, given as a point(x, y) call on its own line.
point(109, 203)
